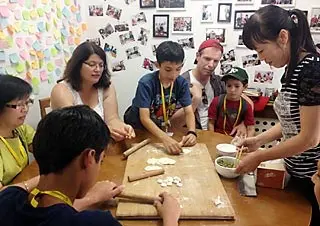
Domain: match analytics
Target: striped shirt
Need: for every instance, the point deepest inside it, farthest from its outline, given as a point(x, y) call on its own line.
point(303, 89)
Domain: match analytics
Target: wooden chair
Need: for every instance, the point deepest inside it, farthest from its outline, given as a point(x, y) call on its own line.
point(44, 103)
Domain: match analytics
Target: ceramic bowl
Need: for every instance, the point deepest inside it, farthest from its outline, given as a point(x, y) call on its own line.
point(224, 171)
point(226, 150)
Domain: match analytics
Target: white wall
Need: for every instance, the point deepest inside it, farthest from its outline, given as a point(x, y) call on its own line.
point(126, 81)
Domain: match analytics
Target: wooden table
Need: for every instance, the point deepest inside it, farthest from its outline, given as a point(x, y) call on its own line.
point(271, 207)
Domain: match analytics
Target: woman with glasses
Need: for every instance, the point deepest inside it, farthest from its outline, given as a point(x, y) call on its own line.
point(87, 81)
point(15, 137)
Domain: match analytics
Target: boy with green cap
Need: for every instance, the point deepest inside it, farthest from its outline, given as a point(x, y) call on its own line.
point(228, 110)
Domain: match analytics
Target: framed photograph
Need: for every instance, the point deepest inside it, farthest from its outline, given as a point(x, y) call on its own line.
point(241, 17)
point(182, 24)
point(240, 42)
point(147, 3)
point(161, 26)
point(207, 13)
point(244, 2)
point(224, 12)
point(216, 33)
point(283, 3)
point(171, 5)
point(315, 20)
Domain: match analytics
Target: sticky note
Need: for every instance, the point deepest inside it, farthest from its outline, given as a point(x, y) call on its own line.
point(26, 15)
point(40, 55)
point(58, 46)
point(4, 23)
point(73, 8)
point(35, 64)
point(41, 26)
point(78, 17)
point(14, 58)
point(67, 2)
point(39, 35)
point(79, 31)
point(71, 29)
point(9, 41)
point(59, 13)
point(66, 12)
point(24, 55)
point(21, 2)
point(19, 42)
point(47, 8)
point(28, 4)
point(55, 22)
point(41, 63)
point(50, 66)
point(35, 85)
point(32, 29)
point(28, 41)
point(4, 44)
point(43, 76)
point(70, 40)
point(24, 26)
point(28, 65)
point(34, 14)
point(48, 26)
point(54, 52)
point(58, 62)
point(10, 30)
point(50, 79)
point(17, 15)
point(49, 40)
point(20, 67)
point(2, 56)
point(56, 34)
point(40, 12)
point(44, 1)
point(10, 71)
point(77, 41)
point(64, 32)
point(58, 72)
point(17, 26)
point(32, 52)
point(4, 11)
point(46, 54)
point(29, 76)
point(36, 46)
point(84, 26)
point(2, 36)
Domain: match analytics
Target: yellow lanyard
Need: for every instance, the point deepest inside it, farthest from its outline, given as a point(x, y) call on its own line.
point(14, 154)
point(165, 111)
point(225, 114)
point(56, 194)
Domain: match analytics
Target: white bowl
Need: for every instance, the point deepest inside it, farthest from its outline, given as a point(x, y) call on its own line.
point(226, 171)
point(227, 149)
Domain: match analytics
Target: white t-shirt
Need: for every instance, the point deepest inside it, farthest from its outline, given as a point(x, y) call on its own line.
point(203, 108)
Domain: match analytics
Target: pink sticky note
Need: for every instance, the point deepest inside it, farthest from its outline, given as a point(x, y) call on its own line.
point(21, 2)
point(58, 62)
point(43, 76)
point(24, 55)
point(70, 40)
point(49, 40)
point(4, 11)
point(19, 42)
point(39, 36)
point(17, 14)
point(29, 41)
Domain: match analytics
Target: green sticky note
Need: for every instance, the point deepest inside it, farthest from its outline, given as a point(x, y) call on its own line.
point(54, 52)
point(24, 26)
point(59, 13)
point(47, 8)
point(20, 67)
point(67, 2)
point(9, 41)
point(35, 85)
point(28, 4)
point(26, 15)
point(50, 67)
point(40, 12)
point(48, 26)
point(50, 79)
point(41, 63)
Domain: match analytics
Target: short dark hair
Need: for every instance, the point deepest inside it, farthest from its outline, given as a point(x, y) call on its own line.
point(229, 77)
point(80, 55)
point(265, 25)
point(12, 88)
point(65, 133)
point(169, 51)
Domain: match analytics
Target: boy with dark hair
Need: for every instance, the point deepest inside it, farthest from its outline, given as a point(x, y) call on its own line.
point(69, 146)
point(158, 95)
point(228, 110)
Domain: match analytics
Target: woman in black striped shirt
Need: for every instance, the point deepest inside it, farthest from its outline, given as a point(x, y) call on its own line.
point(283, 38)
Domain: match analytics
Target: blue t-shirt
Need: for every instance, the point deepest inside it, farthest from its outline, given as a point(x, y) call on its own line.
point(148, 95)
point(15, 210)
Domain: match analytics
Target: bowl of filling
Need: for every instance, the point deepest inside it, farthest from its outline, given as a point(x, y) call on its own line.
point(226, 149)
point(226, 166)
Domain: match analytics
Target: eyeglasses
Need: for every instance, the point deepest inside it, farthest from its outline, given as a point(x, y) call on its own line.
point(20, 106)
point(204, 97)
point(93, 65)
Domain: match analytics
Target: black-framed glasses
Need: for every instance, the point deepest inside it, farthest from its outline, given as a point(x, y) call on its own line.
point(20, 106)
point(204, 97)
point(95, 64)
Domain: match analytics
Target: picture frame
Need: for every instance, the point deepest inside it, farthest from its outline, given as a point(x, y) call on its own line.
point(315, 19)
point(224, 12)
point(281, 3)
point(171, 5)
point(240, 42)
point(160, 25)
point(182, 25)
point(241, 17)
point(206, 13)
point(147, 3)
point(244, 2)
point(216, 33)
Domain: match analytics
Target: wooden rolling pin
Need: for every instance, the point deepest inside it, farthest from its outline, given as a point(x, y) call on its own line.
point(138, 198)
point(145, 175)
point(135, 148)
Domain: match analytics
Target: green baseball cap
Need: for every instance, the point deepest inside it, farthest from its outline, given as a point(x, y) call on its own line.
point(237, 73)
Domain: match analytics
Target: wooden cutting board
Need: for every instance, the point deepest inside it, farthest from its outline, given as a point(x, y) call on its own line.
point(201, 185)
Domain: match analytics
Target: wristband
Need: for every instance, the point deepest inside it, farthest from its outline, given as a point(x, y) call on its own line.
point(192, 132)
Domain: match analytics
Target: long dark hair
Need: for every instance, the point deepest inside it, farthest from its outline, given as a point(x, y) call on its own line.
point(80, 55)
point(265, 25)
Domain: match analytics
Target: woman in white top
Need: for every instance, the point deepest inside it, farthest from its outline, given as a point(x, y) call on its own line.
point(86, 81)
